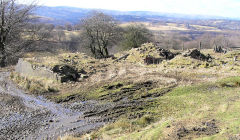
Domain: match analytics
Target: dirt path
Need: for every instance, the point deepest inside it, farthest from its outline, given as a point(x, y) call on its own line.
point(25, 116)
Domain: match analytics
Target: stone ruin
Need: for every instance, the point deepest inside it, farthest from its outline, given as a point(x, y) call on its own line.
point(152, 60)
point(196, 54)
point(60, 73)
point(164, 54)
point(168, 55)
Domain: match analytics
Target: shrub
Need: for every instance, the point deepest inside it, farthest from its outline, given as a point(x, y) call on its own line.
point(136, 35)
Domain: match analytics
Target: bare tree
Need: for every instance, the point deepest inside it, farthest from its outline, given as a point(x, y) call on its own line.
point(60, 35)
point(100, 30)
point(222, 40)
point(13, 20)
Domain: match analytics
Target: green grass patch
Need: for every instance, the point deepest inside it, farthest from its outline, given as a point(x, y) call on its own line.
point(197, 102)
point(107, 89)
point(230, 82)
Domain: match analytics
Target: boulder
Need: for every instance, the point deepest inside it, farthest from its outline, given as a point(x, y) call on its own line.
point(168, 55)
point(196, 54)
point(66, 73)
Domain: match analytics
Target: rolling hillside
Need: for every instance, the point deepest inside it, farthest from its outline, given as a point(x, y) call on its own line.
point(61, 15)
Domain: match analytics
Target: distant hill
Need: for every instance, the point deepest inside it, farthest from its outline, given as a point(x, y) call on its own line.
point(62, 15)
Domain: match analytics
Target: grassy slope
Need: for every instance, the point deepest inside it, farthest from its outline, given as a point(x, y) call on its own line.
point(204, 98)
point(187, 105)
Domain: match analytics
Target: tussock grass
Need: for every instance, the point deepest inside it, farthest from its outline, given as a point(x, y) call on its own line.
point(33, 85)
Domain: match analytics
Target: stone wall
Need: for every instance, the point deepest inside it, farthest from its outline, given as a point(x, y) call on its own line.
point(27, 69)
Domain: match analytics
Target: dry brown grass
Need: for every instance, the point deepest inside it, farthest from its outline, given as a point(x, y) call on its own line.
point(196, 96)
point(172, 27)
point(159, 27)
point(180, 70)
point(68, 137)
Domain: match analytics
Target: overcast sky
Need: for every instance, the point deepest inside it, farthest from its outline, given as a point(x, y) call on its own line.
point(226, 8)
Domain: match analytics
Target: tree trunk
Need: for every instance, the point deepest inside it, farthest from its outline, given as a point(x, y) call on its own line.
point(2, 55)
point(106, 52)
point(93, 50)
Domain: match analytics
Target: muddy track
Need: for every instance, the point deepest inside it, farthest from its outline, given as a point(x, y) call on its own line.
point(24, 116)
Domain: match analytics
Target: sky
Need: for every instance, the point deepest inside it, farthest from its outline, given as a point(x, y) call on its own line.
point(224, 8)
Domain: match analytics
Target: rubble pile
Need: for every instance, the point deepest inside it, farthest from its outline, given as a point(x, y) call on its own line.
point(196, 54)
point(148, 53)
point(168, 55)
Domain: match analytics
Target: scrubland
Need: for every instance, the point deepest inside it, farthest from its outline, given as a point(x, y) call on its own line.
point(181, 98)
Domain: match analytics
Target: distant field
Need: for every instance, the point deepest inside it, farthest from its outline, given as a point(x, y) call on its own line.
point(68, 34)
point(150, 26)
point(206, 28)
point(173, 27)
